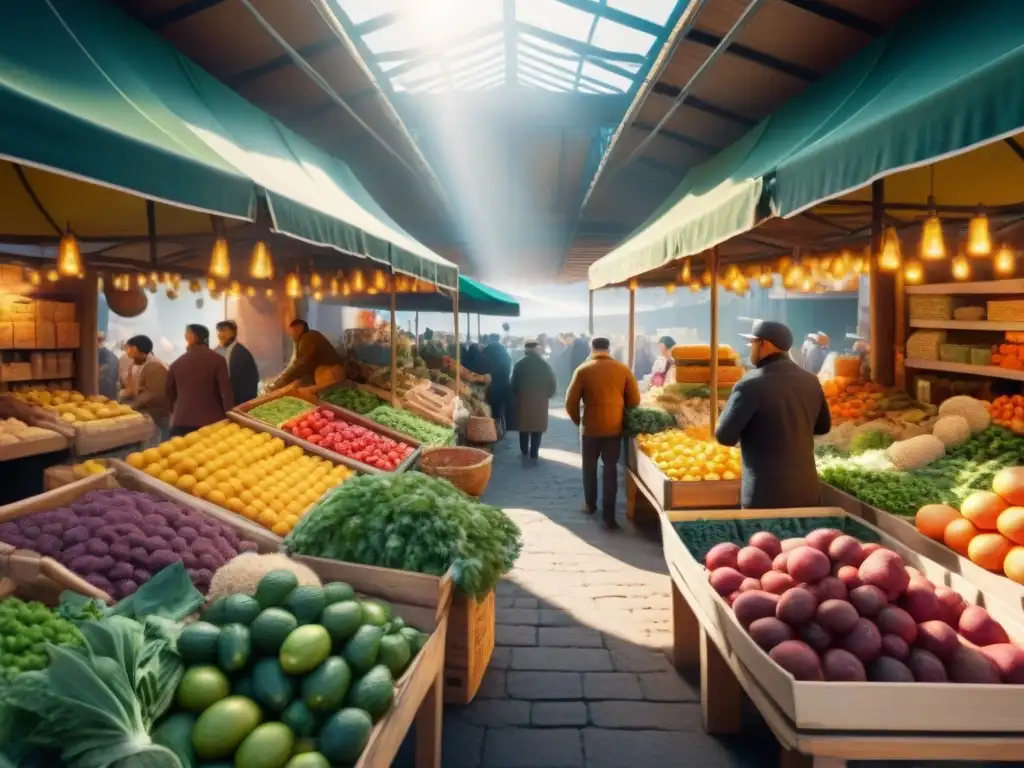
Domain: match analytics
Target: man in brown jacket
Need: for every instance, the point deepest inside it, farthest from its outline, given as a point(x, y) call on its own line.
point(147, 390)
point(315, 360)
point(605, 388)
point(198, 386)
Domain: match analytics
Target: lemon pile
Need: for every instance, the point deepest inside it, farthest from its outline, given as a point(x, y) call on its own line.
point(690, 455)
point(246, 472)
point(75, 408)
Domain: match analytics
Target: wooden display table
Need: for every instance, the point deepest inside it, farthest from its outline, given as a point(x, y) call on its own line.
point(827, 724)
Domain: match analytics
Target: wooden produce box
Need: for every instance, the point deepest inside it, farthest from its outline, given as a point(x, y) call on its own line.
point(424, 602)
point(670, 494)
point(99, 437)
point(844, 706)
point(58, 476)
point(23, 448)
point(470, 646)
point(30, 576)
point(241, 416)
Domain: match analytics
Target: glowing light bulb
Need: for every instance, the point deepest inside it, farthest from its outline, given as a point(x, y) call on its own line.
point(318, 296)
point(1004, 263)
point(380, 280)
point(705, 278)
point(961, 267)
point(670, 288)
point(220, 260)
point(261, 264)
point(69, 258)
point(316, 283)
point(333, 288)
point(269, 293)
point(34, 278)
point(685, 273)
point(358, 281)
point(250, 291)
point(933, 243)
point(235, 289)
point(634, 284)
point(696, 286)
point(346, 289)
point(913, 271)
point(766, 280)
point(52, 275)
point(889, 259)
point(293, 286)
point(979, 239)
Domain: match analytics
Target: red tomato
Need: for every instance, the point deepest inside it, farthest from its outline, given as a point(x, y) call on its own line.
point(305, 432)
point(315, 439)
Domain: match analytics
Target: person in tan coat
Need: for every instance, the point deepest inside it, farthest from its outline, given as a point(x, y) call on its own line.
point(315, 360)
point(605, 388)
point(146, 391)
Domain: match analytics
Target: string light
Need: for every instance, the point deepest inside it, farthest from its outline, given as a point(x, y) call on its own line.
point(211, 284)
point(155, 277)
point(346, 289)
point(380, 280)
point(979, 239)
point(890, 259)
point(220, 260)
point(913, 271)
point(684, 273)
point(235, 289)
point(250, 291)
point(269, 293)
point(293, 286)
point(141, 280)
point(766, 280)
point(961, 267)
point(1004, 263)
point(401, 284)
point(33, 276)
point(69, 258)
point(52, 275)
point(696, 286)
point(261, 264)
point(705, 278)
point(316, 283)
point(358, 281)
point(670, 288)
point(317, 296)
point(333, 287)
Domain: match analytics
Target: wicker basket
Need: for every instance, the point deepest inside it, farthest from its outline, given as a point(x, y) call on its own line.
point(931, 307)
point(481, 430)
point(468, 469)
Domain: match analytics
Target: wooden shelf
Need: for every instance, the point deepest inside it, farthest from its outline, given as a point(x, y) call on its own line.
point(991, 371)
point(1016, 285)
point(969, 325)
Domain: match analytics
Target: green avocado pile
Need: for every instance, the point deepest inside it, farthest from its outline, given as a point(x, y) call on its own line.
point(291, 677)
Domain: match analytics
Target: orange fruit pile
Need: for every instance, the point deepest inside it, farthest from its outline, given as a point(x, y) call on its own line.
point(690, 455)
point(1008, 411)
point(852, 399)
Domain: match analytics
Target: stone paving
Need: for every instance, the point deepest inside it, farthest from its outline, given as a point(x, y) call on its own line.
point(580, 675)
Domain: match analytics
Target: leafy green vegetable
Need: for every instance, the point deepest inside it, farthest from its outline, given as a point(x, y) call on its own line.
point(281, 410)
point(412, 522)
point(352, 399)
point(411, 425)
point(25, 631)
point(648, 421)
point(870, 440)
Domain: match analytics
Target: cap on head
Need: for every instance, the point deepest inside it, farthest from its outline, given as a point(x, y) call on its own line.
point(531, 345)
point(822, 339)
point(772, 331)
point(600, 344)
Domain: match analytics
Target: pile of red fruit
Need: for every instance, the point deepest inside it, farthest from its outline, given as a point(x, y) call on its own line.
point(322, 427)
point(828, 607)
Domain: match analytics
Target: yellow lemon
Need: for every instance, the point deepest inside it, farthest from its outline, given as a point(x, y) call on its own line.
point(202, 473)
point(281, 528)
point(186, 482)
point(235, 504)
point(169, 476)
point(151, 455)
point(267, 518)
point(136, 460)
point(216, 497)
point(166, 449)
point(154, 469)
point(188, 466)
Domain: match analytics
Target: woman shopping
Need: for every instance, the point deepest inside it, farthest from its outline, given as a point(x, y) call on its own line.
point(663, 370)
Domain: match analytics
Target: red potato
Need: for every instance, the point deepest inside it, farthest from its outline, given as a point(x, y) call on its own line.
point(797, 606)
point(849, 575)
point(885, 570)
point(731, 597)
point(726, 580)
point(1009, 660)
point(776, 582)
point(768, 542)
point(921, 602)
point(807, 564)
point(886, 669)
point(868, 600)
point(938, 638)
point(788, 545)
point(797, 658)
point(896, 647)
point(871, 546)
point(753, 562)
point(951, 605)
point(837, 617)
point(864, 641)
point(749, 585)
point(926, 666)
point(779, 563)
point(769, 632)
point(893, 620)
point(830, 588)
point(816, 636)
point(842, 666)
point(722, 555)
point(846, 550)
point(821, 539)
point(971, 665)
point(754, 605)
point(980, 628)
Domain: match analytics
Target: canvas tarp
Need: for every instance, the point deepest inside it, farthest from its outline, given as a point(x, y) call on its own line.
point(474, 297)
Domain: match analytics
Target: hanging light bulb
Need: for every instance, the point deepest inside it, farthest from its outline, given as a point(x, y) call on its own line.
point(346, 289)
point(195, 286)
point(783, 264)
point(220, 260)
point(166, 278)
point(33, 276)
point(52, 275)
point(740, 285)
point(705, 278)
point(838, 269)
point(371, 291)
point(293, 286)
point(793, 276)
point(250, 291)
point(913, 272)
point(889, 259)
point(685, 273)
point(979, 239)
point(634, 284)
point(1004, 263)
point(415, 287)
point(401, 284)
point(235, 289)
point(269, 293)
point(140, 280)
point(670, 288)
point(380, 280)
point(333, 288)
point(358, 281)
point(152, 286)
point(211, 284)
point(69, 258)
point(933, 244)
point(155, 277)
point(961, 267)
point(766, 280)
point(316, 283)
point(261, 264)
point(318, 296)
point(732, 273)
point(696, 286)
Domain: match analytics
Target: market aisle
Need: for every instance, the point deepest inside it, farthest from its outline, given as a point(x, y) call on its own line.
point(580, 676)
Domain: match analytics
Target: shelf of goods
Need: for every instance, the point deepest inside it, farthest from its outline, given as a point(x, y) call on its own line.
point(841, 693)
point(92, 424)
point(19, 439)
point(400, 452)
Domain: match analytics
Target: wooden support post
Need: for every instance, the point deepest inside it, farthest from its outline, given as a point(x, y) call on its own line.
point(394, 342)
point(590, 322)
point(713, 383)
point(899, 331)
point(429, 725)
point(468, 331)
point(632, 327)
point(87, 357)
point(685, 632)
point(458, 345)
point(721, 697)
point(882, 293)
point(478, 334)
point(417, 331)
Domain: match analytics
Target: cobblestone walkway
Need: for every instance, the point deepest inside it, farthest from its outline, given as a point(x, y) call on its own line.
point(580, 675)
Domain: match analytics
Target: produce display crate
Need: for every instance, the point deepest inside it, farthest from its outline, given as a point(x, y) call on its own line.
point(470, 646)
point(843, 706)
point(58, 476)
point(100, 436)
point(23, 448)
point(30, 576)
point(425, 603)
point(670, 494)
point(242, 417)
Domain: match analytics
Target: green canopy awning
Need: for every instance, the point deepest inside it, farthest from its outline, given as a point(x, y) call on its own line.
point(90, 93)
point(948, 78)
point(474, 297)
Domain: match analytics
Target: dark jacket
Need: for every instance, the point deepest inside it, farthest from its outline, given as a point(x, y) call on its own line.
point(312, 351)
point(578, 354)
point(498, 363)
point(533, 386)
point(108, 373)
point(198, 388)
point(774, 413)
point(245, 376)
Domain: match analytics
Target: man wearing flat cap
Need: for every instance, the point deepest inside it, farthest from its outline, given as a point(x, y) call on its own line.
point(774, 412)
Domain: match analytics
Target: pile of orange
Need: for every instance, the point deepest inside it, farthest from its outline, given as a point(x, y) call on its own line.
point(989, 527)
point(691, 455)
point(1009, 356)
point(1008, 411)
point(853, 399)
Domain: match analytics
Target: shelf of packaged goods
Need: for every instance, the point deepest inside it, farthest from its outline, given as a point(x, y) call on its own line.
point(991, 371)
point(983, 287)
point(969, 325)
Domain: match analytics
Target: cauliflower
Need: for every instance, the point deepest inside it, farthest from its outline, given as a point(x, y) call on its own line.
point(975, 411)
point(915, 453)
point(952, 430)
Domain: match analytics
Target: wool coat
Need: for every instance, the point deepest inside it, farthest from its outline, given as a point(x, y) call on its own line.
point(533, 386)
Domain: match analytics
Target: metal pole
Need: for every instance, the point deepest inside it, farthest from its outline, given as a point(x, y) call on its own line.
point(468, 331)
point(632, 327)
point(394, 344)
point(458, 346)
point(418, 350)
point(879, 349)
point(590, 324)
point(478, 326)
point(713, 383)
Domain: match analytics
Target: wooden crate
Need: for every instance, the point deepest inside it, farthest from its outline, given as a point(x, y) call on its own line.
point(669, 494)
point(31, 576)
point(424, 602)
point(58, 476)
point(470, 645)
point(866, 707)
point(34, 447)
point(95, 437)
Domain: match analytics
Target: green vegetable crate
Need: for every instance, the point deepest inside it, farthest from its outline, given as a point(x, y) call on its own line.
point(873, 707)
point(425, 603)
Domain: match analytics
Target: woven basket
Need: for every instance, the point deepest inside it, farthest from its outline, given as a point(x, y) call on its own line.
point(931, 307)
point(481, 430)
point(468, 469)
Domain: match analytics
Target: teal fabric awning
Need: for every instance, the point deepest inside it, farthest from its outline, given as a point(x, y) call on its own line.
point(948, 78)
point(86, 91)
point(474, 297)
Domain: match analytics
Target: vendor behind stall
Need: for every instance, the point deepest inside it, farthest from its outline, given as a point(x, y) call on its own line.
point(147, 391)
point(314, 361)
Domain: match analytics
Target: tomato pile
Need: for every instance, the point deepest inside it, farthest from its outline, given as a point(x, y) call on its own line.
point(322, 427)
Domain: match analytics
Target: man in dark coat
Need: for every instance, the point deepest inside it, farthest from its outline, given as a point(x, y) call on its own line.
point(533, 386)
point(245, 376)
point(498, 364)
point(198, 385)
point(774, 413)
point(108, 370)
